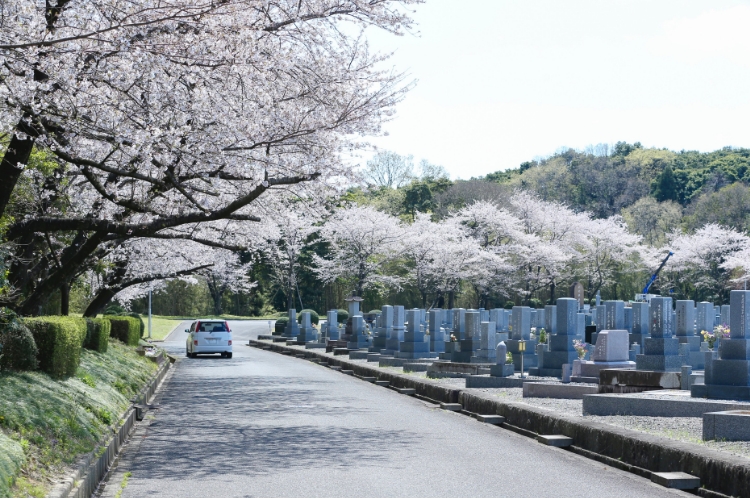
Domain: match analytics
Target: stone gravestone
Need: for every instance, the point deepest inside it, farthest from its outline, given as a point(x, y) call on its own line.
point(521, 330)
point(393, 342)
point(414, 345)
point(541, 319)
point(550, 319)
point(615, 315)
point(705, 317)
point(307, 333)
point(501, 369)
point(570, 325)
point(459, 323)
point(728, 377)
point(685, 332)
point(383, 330)
point(641, 321)
point(485, 354)
point(292, 327)
point(726, 315)
point(577, 293)
point(629, 319)
point(610, 352)
point(601, 317)
point(661, 351)
point(437, 330)
point(357, 339)
point(332, 325)
point(498, 316)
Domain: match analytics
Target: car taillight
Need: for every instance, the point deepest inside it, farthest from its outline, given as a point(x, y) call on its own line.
point(229, 342)
point(195, 342)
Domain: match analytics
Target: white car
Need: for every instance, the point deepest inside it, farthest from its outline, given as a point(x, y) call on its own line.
point(209, 336)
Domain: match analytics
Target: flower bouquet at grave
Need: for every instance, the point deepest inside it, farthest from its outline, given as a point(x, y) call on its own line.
point(719, 332)
point(508, 358)
point(532, 336)
point(453, 337)
point(580, 347)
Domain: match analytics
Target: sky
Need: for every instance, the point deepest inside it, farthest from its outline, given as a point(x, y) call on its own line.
point(500, 82)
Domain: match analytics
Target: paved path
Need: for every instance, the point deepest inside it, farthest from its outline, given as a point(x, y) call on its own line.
point(262, 424)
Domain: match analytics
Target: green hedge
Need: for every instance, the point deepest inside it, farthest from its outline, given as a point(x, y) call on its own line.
point(97, 334)
point(59, 340)
point(18, 349)
point(141, 323)
point(342, 315)
point(126, 329)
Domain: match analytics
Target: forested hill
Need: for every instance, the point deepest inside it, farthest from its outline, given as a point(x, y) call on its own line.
point(655, 190)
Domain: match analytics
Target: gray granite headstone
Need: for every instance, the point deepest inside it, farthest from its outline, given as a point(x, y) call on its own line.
point(661, 351)
point(550, 319)
point(705, 317)
point(615, 315)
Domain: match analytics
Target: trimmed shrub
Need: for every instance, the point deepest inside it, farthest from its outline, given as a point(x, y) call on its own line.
point(375, 312)
point(97, 334)
point(280, 325)
point(18, 349)
point(140, 320)
point(509, 305)
point(314, 318)
point(126, 329)
point(114, 309)
point(342, 315)
point(59, 340)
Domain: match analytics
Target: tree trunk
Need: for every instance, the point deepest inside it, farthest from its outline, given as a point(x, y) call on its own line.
point(100, 301)
point(217, 293)
point(451, 298)
point(18, 152)
point(552, 293)
point(65, 298)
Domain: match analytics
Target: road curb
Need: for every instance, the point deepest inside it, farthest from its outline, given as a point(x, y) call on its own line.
point(84, 481)
point(624, 449)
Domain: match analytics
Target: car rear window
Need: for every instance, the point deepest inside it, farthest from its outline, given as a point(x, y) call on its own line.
point(213, 326)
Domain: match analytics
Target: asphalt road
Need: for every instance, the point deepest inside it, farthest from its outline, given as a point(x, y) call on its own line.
point(263, 424)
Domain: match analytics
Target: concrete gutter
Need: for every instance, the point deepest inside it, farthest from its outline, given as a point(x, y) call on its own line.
point(629, 450)
point(90, 470)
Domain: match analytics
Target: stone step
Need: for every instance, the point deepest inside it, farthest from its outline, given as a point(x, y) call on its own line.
point(555, 440)
point(676, 480)
point(451, 407)
point(490, 418)
point(383, 382)
point(334, 368)
point(347, 371)
point(407, 391)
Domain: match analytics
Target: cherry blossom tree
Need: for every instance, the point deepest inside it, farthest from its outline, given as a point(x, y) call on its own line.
point(362, 242)
point(167, 117)
point(283, 240)
point(704, 260)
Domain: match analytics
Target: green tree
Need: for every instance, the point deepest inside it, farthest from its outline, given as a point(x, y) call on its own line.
point(664, 188)
point(417, 198)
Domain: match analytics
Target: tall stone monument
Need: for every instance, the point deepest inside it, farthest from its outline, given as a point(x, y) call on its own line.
point(685, 333)
point(728, 377)
point(661, 350)
point(414, 345)
point(641, 321)
point(569, 327)
point(521, 330)
point(437, 330)
point(291, 330)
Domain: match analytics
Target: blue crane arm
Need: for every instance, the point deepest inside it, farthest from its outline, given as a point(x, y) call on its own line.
point(656, 274)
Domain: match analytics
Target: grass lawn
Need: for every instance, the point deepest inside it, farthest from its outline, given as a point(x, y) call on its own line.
point(160, 326)
point(46, 424)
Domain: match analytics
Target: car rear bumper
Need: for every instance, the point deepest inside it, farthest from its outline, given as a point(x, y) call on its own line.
point(212, 349)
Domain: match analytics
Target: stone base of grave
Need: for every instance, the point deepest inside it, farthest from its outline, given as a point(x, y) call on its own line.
point(373, 357)
point(385, 361)
point(331, 344)
point(378, 343)
point(484, 381)
point(437, 346)
point(483, 357)
point(553, 360)
point(591, 369)
point(416, 367)
point(280, 339)
point(694, 357)
point(313, 344)
point(358, 354)
point(456, 368)
point(414, 350)
point(657, 403)
point(357, 343)
point(307, 336)
point(720, 392)
point(632, 381)
point(660, 354)
point(557, 390)
point(727, 425)
point(502, 370)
